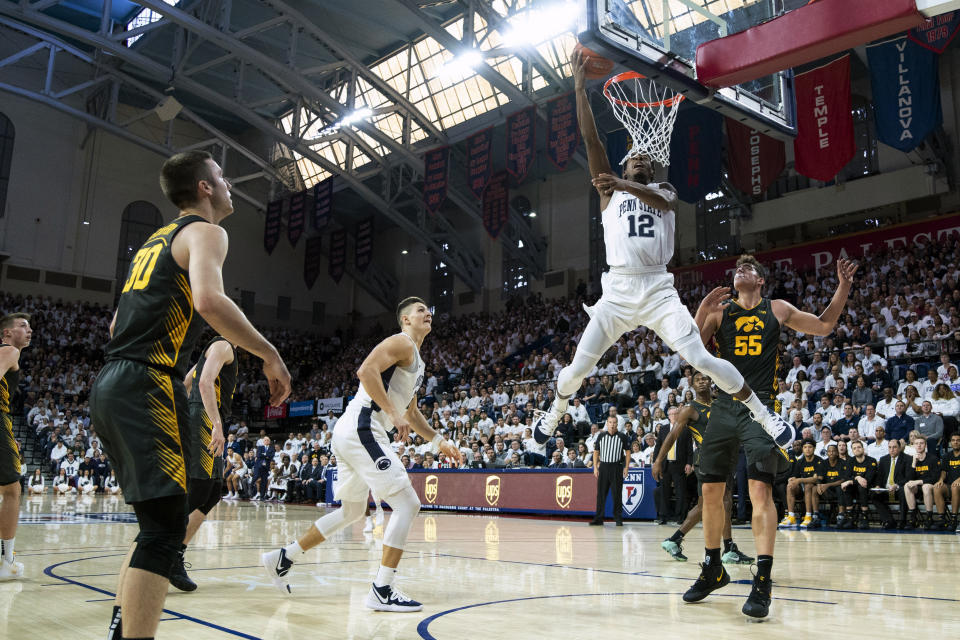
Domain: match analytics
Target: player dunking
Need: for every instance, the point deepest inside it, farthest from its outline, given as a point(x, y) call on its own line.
point(389, 379)
point(210, 385)
point(15, 333)
point(638, 231)
point(138, 402)
point(695, 418)
point(748, 336)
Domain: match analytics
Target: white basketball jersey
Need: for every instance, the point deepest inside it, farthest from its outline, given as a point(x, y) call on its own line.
point(636, 234)
point(401, 385)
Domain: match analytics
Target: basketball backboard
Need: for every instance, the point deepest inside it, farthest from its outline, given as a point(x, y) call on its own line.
point(659, 39)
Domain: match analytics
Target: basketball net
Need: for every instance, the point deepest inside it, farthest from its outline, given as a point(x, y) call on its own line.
point(647, 110)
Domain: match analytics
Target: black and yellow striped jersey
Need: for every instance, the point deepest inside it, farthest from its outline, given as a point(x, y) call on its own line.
point(156, 323)
point(225, 384)
point(8, 385)
point(698, 426)
point(750, 340)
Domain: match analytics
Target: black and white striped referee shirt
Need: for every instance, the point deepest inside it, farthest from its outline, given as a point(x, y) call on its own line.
point(611, 447)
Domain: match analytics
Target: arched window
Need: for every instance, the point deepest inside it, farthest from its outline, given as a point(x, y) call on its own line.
point(6, 159)
point(140, 220)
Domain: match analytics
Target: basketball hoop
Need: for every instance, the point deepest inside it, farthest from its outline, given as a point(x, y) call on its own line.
point(647, 110)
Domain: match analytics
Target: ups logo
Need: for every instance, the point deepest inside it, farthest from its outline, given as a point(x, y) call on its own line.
point(747, 324)
point(493, 490)
point(564, 491)
point(563, 543)
point(431, 487)
point(429, 529)
point(491, 534)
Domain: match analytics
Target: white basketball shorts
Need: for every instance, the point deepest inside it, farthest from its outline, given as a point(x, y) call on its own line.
point(365, 460)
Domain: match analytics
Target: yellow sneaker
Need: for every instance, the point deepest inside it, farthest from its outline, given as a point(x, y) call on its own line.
point(788, 521)
point(807, 519)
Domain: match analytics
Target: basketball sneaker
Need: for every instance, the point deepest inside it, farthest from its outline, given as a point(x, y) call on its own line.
point(806, 522)
point(389, 598)
point(278, 565)
point(711, 578)
point(545, 424)
point(735, 556)
point(179, 577)
point(758, 602)
point(779, 429)
point(675, 549)
point(788, 522)
point(11, 570)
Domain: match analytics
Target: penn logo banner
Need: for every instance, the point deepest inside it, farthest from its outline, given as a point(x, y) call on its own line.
point(906, 92)
point(938, 32)
point(695, 149)
point(479, 161)
point(520, 142)
point(322, 203)
point(271, 225)
point(363, 247)
point(632, 493)
point(824, 141)
point(563, 134)
point(435, 178)
point(496, 204)
point(295, 218)
point(311, 261)
point(754, 160)
point(338, 254)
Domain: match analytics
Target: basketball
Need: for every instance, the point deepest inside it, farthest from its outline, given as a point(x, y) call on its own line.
point(596, 67)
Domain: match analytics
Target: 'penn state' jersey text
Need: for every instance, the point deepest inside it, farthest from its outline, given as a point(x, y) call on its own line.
point(636, 234)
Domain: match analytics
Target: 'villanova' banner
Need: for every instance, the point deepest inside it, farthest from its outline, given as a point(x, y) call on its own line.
point(479, 161)
point(271, 226)
point(338, 254)
point(322, 203)
point(563, 134)
point(295, 217)
point(435, 178)
point(937, 32)
point(906, 92)
point(363, 245)
point(695, 167)
point(824, 142)
point(754, 160)
point(311, 261)
point(496, 204)
point(520, 142)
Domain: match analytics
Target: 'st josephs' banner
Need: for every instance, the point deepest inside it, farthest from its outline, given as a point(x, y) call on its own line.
point(338, 254)
point(937, 32)
point(496, 204)
point(695, 169)
point(754, 159)
point(295, 217)
point(479, 161)
point(435, 178)
point(906, 92)
point(520, 142)
point(322, 203)
point(363, 244)
point(311, 261)
point(271, 225)
point(824, 141)
point(563, 134)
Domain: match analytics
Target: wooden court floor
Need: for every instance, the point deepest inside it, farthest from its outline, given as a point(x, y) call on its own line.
point(479, 577)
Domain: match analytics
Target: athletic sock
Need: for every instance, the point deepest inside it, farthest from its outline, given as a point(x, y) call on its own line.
point(764, 566)
point(755, 405)
point(7, 548)
point(727, 544)
point(384, 576)
point(792, 514)
point(676, 537)
point(712, 557)
point(294, 550)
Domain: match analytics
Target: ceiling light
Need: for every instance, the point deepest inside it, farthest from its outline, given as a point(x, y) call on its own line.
point(536, 26)
point(532, 214)
point(404, 252)
point(461, 66)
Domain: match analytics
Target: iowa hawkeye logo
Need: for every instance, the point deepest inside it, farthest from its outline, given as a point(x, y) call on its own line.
point(747, 324)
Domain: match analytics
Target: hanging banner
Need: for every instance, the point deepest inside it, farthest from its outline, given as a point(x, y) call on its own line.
point(271, 226)
point(520, 142)
point(363, 245)
point(311, 261)
point(479, 161)
point(936, 33)
point(322, 203)
point(695, 153)
point(338, 254)
point(496, 204)
point(563, 134)
point(295, 217)
point(824, 142)
point(435, 163)
point(906, 92)
point(754, 160)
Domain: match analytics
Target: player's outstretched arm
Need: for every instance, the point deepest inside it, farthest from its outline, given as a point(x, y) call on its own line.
point(596, 154)
point(662, 197)
point(686, 415)
point(395, 350)
point(823, 324)
point(423, 428)
point(218, 354)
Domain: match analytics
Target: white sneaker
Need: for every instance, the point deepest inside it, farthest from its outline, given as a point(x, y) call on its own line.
point(368, 527)
point(779, 429)
point(11, 570)
point(378, 517)
point(389, 598)
point(277, 565)
point(544, 424)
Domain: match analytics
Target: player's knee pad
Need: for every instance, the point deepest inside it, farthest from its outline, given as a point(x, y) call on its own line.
point(405, 505)
point(162, 528)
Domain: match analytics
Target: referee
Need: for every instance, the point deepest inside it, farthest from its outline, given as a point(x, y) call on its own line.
point(611, 457)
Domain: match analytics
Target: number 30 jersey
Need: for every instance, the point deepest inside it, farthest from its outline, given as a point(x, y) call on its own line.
point(636, 234)
point(156, 323)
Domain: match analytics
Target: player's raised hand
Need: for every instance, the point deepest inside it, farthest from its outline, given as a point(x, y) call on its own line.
point(278, 378)
point(846, 269)
point(579, 63)
point(715, 300)
point(452, 452)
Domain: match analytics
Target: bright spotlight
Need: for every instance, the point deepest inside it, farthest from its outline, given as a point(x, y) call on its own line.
point(461, 66)
point(535, 26)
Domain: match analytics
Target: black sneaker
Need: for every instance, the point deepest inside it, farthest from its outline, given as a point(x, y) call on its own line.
point(758, 602)
point(712, 577)
point(863, 522)
point(179, 577)
point(389, 598)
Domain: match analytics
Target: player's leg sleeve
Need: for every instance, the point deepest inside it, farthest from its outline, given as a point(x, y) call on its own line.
point(348, 513)
point(593, 344)
point(405, 505)
point(723, 373)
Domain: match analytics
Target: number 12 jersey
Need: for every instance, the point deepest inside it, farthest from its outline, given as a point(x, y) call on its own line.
point(636, 234)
